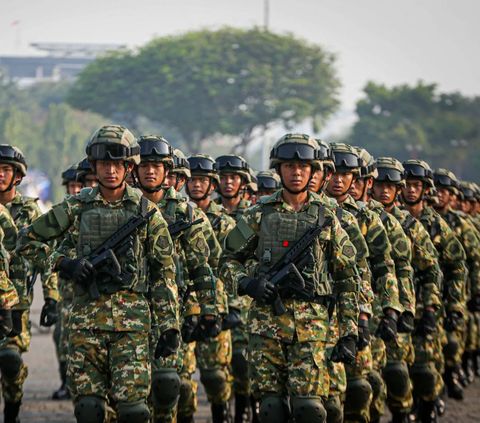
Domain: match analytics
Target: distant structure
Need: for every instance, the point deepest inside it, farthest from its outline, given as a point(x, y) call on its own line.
point(64, 61)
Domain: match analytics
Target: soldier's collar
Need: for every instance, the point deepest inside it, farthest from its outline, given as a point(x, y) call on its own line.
point(18, 199)
point(94, 194)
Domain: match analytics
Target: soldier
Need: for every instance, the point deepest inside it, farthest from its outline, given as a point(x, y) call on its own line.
point(386, 305)
point(427, 380)
point(8, 293)
point(109, 347)
point(250, 193)
point(213, 351)
point(268, 182)
point(24, 210)
point(286, 351)
point(419, 180)
point(69, 180)
point(86, 175)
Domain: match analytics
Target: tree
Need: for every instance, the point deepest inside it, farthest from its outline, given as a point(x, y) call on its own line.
point(231, 81)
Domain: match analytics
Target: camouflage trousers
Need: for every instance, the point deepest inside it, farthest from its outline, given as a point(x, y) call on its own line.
point(216, 354)
point(112, 365)
point(471, 341)
point(241, 382)
point(379, 361)
point(297, 369)
point(12, 388)
point(337, 379)
point(62, 330)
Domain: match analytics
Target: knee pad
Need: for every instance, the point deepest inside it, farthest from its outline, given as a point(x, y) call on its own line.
point(424, 379)
point(452, 347)
point(10, 363)
point(359, 395)
point(274, 409)
point(133, 412)
point(239, 365)
point(90, 409)
point(334, 410)
point(308, 410)
point(186, 389)
point(214, 380)
point(396, 376)
point(165, 388)
point(376, 382)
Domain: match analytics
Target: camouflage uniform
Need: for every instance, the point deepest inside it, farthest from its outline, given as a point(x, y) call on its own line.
point(8, 235)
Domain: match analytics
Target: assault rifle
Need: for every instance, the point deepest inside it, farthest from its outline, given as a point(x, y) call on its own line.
point(285, 273)
point(104, 258)
point(181, 225)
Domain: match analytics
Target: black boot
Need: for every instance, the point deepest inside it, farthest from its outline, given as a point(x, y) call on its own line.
point(62, 393)
point(185, 419)
point(440, 406)
point(455, 390)
point(427, 412)
point(461, 376)
point(467, 364)
point(399, 417)
point(255, 407)
point(242, 414)
point(11, 411)
point(221, 413)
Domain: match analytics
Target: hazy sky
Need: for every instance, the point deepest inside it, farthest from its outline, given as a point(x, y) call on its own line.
point(387, 41)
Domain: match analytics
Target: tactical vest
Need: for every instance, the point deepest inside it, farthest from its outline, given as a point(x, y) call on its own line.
point(97, 224)
point(281, 231)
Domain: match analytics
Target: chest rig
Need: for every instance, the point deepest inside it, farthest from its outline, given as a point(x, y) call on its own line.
point(98, 222)
point(279, 232)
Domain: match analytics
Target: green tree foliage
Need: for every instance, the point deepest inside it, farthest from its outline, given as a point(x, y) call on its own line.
point(231, 81)
point(406, 121)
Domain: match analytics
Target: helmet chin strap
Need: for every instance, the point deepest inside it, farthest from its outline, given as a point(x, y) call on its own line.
point(204, 197)
point(305, 188)
point(148, 190)
point(229, 197)
point(413, 203)
point(118, 186)
point(323, 187)
point(12, 181)
point(388, 205)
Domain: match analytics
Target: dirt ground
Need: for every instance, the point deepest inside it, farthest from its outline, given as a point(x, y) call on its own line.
point(43, 379)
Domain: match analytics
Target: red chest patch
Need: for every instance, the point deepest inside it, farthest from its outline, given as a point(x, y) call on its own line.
point(285, 243)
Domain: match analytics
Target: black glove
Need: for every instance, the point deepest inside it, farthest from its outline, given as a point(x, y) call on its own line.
point(474, 303)
point(363, 334)
point(344, 350)
point(17, 324)
point(428, 323)
point(167, 344)
point(259, 289)
point(387, 328)
point(6, 323)
point(187, 329)
point(233, 319)
point(207, 329)
point(49, 314)
point(453, 320)
point(406, 323)
point(79, 270)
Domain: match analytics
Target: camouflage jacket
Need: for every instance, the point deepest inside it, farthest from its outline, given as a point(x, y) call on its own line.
point(427, 273)
point(385, 285)
point(124, 310)
point(452, 259)
point(242, 206)
point(8, 235)
point(401, 254)
point(307, 321)
point(24, 211)
point(198, 252)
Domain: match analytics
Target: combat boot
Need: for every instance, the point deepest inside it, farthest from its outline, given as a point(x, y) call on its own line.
point(467, 365)
point(185, 419)
point(461, 376)
point(221, 413)
point(62, 393)
point(427, 412)
point(242, 412)
point(11, 411)
point(454, 389)
point(255, 406)
point(440, 406)
point(399, 417)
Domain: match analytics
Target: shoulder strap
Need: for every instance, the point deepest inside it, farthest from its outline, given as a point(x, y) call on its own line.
point(143, 206)
point(190, 212)
point(339, 213)
point(321, 214)
point(383, 216)
point(15, 211)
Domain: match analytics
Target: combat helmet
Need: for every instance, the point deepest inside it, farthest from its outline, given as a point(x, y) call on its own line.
point(233, 163)
point(469, 191)
point(390, 170)
point(296, 148)
point(181, 166)
point(84, 169)
point(418, 169)
point(14, 157)
point(113, 142)
point(70, 175)
point(268, 181)
point(431, 197)
point(327, 154)
point(346, 158)
point(369, 166)
point(446, 179)
point(203, 165)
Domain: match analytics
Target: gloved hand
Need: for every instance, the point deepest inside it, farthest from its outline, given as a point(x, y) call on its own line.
point(406, 323)
point(428, 323)
point(387, 328)
point(79, 270)
point(207, 328)
point(17, 324)
point(167, 344)
point(344, 350)
point(187, 329)
point(474, 303)
point(363, 334)
point(49, 314)
point(453, 320)
point(6, 323)
point(233, 319)
point(259, 289)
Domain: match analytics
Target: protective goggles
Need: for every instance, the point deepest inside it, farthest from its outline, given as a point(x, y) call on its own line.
point(347, 160)
point(155, 148)
point(443, 180)
point(231, 162)
point(417, 171)
point(266, 183)
point(8, 153)
point(180, 163)
point(111, 151)
point(70, 174)
point(367, 170)
point(386, 174)
point(202, 164)
point(302, 152)
point(468, 193)
point(326, 153)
